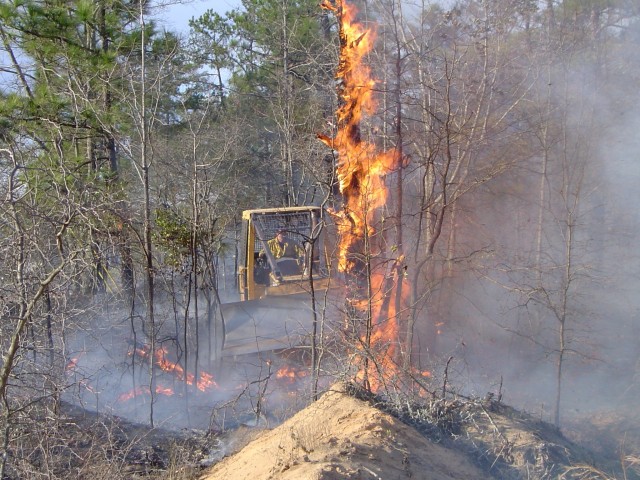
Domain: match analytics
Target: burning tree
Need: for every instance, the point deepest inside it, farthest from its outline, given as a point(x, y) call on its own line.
point(361, 171)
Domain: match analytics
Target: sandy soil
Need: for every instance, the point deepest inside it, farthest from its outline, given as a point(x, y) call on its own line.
point(342, 437)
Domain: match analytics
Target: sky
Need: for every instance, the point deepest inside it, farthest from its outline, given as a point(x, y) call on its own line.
point(177, 16)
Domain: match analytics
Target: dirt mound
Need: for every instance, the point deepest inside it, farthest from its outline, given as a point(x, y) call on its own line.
point(342, 437)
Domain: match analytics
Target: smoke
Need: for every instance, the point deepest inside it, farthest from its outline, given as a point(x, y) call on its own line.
point(502, 307)
point(108, 372)
point(487, 314)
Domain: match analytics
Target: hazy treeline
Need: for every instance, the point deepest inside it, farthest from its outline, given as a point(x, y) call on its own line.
point(128, 153)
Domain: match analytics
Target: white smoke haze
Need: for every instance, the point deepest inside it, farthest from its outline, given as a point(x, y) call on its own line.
point(104, 376)
point(500, 339)
point(497, 334)
point(493, 325)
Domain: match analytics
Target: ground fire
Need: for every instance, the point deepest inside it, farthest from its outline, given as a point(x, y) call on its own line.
point(204, 383)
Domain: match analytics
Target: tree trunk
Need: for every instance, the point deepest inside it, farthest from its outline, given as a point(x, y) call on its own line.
point(147, 236)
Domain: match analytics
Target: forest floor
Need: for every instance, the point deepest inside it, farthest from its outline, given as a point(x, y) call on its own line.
point(346, 434)
point(341, 436)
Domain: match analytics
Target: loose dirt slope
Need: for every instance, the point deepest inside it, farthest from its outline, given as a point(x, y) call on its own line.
point(342, 437)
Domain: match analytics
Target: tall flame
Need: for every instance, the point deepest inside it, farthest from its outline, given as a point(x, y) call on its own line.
point(361, 171)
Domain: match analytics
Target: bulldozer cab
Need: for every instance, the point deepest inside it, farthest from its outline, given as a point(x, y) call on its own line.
point(268, 266)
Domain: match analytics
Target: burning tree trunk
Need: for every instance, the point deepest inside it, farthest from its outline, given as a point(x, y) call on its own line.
point(361, 172)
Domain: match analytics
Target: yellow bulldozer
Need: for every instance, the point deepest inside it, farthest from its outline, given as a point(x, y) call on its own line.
point(282, 260)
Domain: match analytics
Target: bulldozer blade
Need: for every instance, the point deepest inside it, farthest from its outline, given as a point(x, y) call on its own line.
point(271, 323)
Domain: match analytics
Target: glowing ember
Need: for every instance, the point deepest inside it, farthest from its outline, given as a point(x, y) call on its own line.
point(164, 391)
point(87, 386)
point(72, 364)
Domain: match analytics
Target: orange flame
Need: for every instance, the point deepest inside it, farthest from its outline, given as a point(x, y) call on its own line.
point(361, 172)
point(164, 390)
point(204, 383)
point(289, 374)
point(73, 363)
point(144, 390)
point(385, 332)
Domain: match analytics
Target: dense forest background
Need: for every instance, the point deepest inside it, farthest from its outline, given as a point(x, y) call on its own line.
point(128, 153)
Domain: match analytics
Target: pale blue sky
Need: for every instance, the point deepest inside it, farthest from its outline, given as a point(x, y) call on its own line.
point(177, 16)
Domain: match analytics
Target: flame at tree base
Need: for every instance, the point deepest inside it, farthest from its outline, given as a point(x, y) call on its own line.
point(379, 349)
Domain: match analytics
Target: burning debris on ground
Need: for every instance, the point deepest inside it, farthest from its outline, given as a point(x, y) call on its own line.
point(499, 441)
point(160, 359)
point(248, 389)
point(462, 437)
